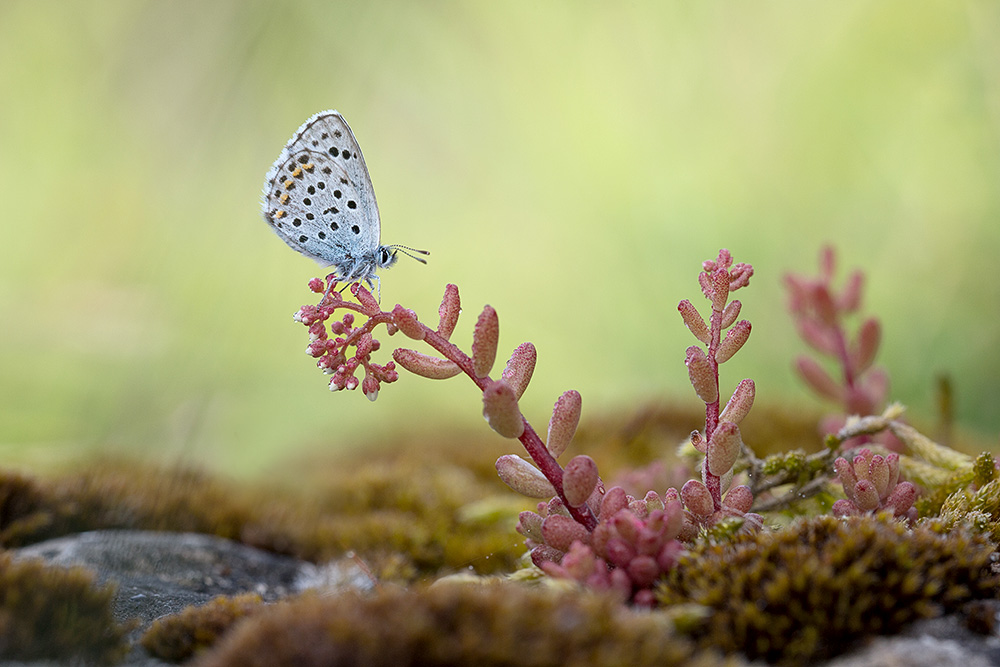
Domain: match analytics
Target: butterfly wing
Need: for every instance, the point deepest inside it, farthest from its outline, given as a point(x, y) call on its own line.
point(319, 199)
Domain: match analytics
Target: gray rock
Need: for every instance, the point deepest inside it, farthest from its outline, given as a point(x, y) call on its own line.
point(158, 574)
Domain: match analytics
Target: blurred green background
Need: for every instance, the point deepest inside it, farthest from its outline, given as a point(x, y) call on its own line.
point(570, 163)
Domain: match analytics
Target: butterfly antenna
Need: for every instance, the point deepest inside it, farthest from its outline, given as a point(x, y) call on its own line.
point(409, 252)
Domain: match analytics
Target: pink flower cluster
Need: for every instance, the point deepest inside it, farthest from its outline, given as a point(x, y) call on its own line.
point(332, 354)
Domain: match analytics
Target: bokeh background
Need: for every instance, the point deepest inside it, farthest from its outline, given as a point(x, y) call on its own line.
point(570, 163)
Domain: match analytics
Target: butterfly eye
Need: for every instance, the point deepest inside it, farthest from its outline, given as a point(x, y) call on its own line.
point(383, 255)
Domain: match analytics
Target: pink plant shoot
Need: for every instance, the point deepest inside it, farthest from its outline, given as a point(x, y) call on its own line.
point(871, 484)
point(342, 348)
point(821, 313)
point(634, 544)
point(720, 441)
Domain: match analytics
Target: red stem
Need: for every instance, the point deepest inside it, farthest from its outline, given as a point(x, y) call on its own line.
point(546, 463)
point(713, 482)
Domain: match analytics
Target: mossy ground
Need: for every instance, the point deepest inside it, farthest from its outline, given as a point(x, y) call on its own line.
point(428, 508)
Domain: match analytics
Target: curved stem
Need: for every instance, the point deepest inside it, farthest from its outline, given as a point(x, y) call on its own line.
point(546, 463)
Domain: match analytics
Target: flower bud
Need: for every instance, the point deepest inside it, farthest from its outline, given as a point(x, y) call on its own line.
point(720, 289)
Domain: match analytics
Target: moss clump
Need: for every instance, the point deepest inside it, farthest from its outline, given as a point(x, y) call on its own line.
point(456, 624)
point(56, 613)
point(811, 589)
point(180, 636)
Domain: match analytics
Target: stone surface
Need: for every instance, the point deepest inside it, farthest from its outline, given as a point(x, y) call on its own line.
point(162, 573)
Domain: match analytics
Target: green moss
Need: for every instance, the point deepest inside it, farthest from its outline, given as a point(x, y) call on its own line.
point(56, 613)
point(178, 637)
point(819, 585)
point(457, 624)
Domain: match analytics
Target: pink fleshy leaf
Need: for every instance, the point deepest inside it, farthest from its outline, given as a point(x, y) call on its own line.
point(448, 311)
point(560, 532)
point(501, 410)
point(866, 496)
point(406, 321)
point(849, 299)
point(880, 476)
point(817, 378)
point(563, 423)
point(485, 337)
point(734, 340)
point(697, 498)
point(523, 477)
point(694, 321)
point(520, 367)
point(529, 524)
point(730, 314)
point(723, 448)
point(740, 402)
point(866, 346)
point(702, 377)
point(579, 480)
point(739, 499)
point(424, 365)
point(845, 472)
point(902, 497)
point(614, 501)
point(643, 571)
point(844, 508)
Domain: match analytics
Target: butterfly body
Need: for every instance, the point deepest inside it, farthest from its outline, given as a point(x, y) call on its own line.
point(319, 199)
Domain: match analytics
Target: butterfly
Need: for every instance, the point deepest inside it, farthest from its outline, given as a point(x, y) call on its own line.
point(318, 198)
